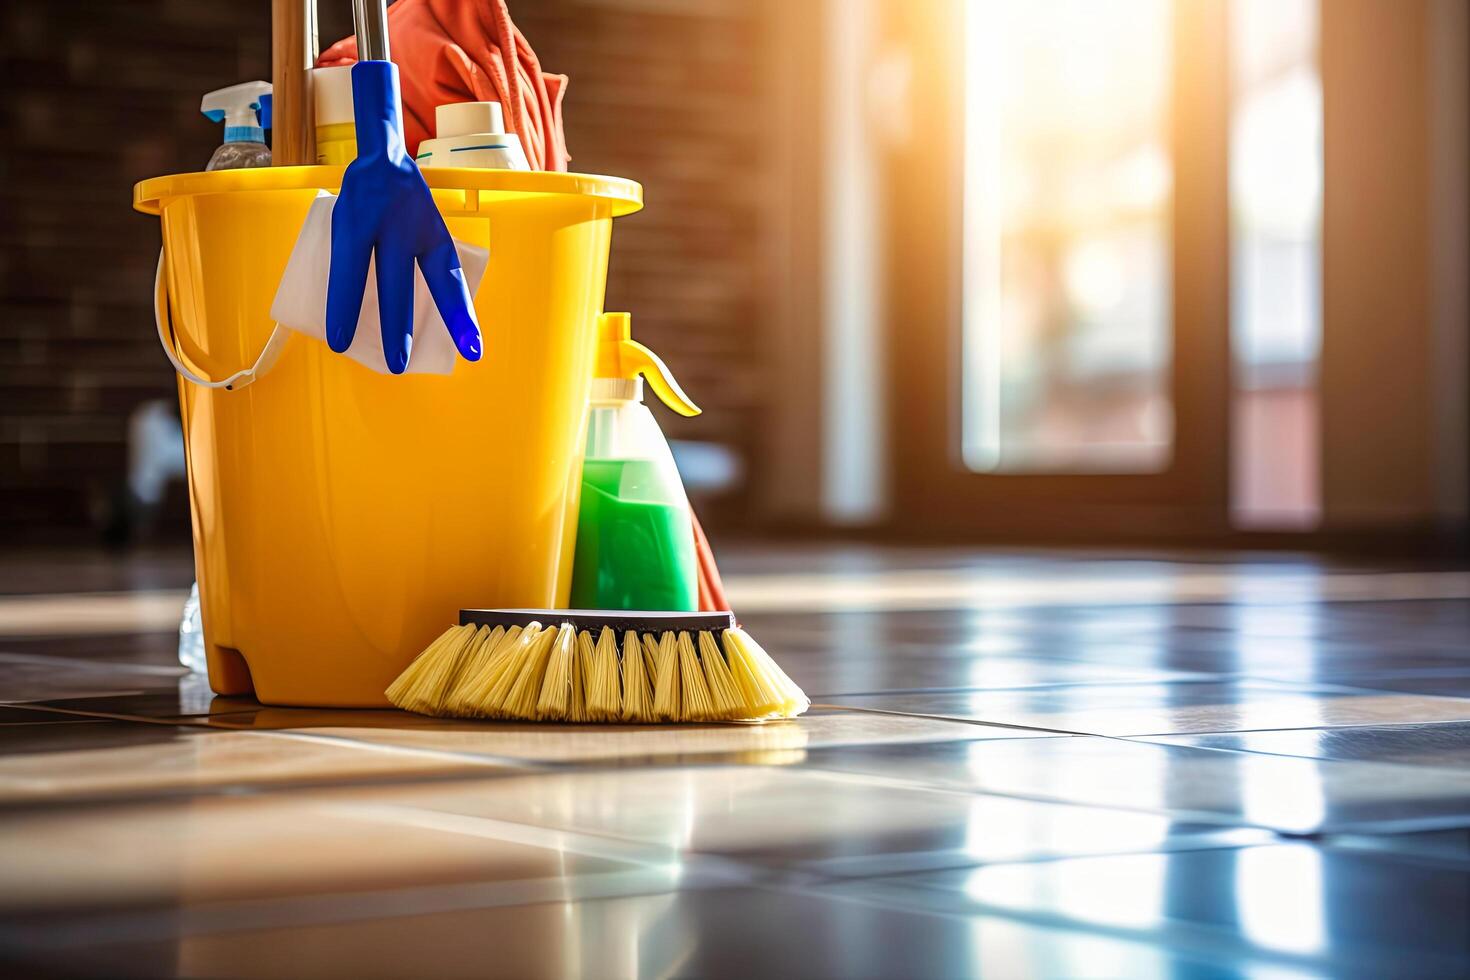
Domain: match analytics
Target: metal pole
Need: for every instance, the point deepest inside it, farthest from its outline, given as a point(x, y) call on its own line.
point(370, 18)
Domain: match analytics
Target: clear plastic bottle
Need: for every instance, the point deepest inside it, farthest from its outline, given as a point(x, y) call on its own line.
point(238, 154)
point(191, 634)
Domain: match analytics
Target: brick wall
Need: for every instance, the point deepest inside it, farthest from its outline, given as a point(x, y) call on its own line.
point(100, 95)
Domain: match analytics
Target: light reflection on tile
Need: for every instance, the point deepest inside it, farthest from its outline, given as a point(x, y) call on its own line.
point(816, 822)
point(1297, 903)
point(145, 760)
point(38, 678)
point(252, 847)
point(750, 812)
point(1296, 795)
point(737, 932)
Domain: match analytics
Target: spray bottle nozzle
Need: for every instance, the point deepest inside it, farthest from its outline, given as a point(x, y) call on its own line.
point(238, 107)
point(620, 356)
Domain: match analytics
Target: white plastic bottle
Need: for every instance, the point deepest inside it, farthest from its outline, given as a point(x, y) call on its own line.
point(238, 107)
point(472, 134)
point(191, 634)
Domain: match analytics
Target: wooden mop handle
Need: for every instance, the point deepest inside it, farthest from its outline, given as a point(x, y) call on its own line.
point(293, 52)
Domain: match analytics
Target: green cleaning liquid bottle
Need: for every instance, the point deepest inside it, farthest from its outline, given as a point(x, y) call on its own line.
point(635, 537)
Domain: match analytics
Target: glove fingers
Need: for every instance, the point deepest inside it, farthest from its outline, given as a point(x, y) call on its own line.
point(445, 278)
point(395, 304)
point(352, 249)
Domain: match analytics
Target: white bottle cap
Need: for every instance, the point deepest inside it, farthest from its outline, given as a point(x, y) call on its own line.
point(464, 118)
point(331, 90)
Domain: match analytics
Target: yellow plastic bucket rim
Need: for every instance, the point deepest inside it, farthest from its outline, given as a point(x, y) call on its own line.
point(625, 196)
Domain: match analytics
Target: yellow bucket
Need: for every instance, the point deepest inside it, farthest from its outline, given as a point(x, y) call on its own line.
point(343, 517)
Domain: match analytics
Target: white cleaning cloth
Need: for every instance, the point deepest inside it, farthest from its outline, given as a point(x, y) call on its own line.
point(301, 298)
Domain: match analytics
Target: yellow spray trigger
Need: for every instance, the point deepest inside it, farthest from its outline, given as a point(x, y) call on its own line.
point(620, 356)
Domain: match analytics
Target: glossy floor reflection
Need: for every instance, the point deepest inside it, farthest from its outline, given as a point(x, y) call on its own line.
point(1020, 765)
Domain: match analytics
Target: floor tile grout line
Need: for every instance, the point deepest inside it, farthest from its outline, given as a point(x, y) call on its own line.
point(1129, 735)
point(100, 666)
point(1233, 750)
point(1305, 728)
point(1207, 840)
point(172, 721)
point(507, 762)
point(282, 788)
point(192, 721)
point(950, 718)
point(187, 721)
point(1209, 817)
point(602, 846)
point(1197, 677)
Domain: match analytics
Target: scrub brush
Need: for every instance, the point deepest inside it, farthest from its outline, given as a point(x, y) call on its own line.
point(595, 666)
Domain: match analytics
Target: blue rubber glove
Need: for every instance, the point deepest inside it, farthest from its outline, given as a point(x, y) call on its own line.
point(385, 206)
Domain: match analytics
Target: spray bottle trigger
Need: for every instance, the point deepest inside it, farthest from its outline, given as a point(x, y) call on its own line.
point(620, 356)
point(638, 359)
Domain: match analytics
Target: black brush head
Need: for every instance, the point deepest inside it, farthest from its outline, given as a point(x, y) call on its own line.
point(619, 620)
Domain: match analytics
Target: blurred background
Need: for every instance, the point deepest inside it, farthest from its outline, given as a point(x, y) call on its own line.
point(1144, 271)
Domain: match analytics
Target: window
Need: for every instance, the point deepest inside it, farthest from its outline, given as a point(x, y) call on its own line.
point(1276, 261)
point(1066, 343)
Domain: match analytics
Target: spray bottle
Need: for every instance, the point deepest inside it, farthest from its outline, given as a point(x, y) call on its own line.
point(239, 108)
point(635, 536)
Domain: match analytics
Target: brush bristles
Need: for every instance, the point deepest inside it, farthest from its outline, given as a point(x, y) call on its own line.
point(604, 684)
point(637, 682)
point(557, 673)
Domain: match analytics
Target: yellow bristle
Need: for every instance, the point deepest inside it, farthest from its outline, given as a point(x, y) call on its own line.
point(759, 692)
point(649, 646)
point(525, 692)
point(796, 698)
point(555, 701)
point(581, 674)
point(477, 662)
point(434, 690)
point(538, 673)
point(697, 704)
point(778, 694)
point(667, 703)
point(494, 683)
point(604, 697)
point(403, 691)
point(637, 688)
point(723, 691)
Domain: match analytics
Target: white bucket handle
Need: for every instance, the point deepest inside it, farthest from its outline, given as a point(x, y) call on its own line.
point(234, 382)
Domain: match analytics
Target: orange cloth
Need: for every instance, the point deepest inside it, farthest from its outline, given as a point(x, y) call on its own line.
point(456, 51)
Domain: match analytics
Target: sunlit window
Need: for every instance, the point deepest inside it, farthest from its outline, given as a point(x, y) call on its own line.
point(1275, 292)
point(1068, 185)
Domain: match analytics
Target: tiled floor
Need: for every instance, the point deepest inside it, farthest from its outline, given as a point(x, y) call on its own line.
point(1023, 764)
